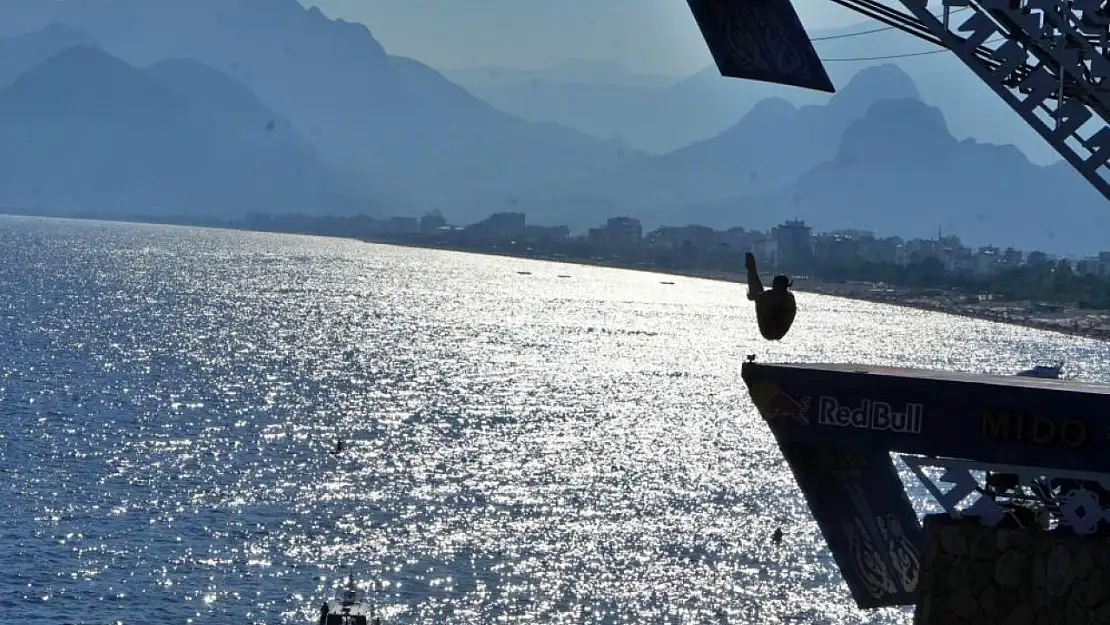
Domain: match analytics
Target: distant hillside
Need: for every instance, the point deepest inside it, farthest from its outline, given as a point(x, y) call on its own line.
point(392, 120)
point(768, 148)
point(602, 100)
point(899, 171)
point(661, 119)
point(775, 143)
point(85, 131)
point(874, 157)
point(573, 72)
point(266, 105)
point(25, 52)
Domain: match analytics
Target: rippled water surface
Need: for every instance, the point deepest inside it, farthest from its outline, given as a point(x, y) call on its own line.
point(525, 448)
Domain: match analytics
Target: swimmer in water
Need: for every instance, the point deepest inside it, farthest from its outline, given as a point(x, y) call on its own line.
point(774, 309)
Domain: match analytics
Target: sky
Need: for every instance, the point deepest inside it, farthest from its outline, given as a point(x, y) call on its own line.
point(646, 36)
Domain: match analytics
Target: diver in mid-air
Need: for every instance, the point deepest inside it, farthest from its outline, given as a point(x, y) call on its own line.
point(774, 309)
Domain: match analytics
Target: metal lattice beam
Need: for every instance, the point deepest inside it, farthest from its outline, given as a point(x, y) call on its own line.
point(1048, 61)
point(1074, 498)
point(906, 23)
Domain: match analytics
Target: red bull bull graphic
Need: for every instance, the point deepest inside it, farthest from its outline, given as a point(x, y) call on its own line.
point(775, 405)
point(871, 528)
point(870, 415)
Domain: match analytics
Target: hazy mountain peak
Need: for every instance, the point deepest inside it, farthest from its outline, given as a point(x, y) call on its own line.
point(55, 30)
point(888, 76)
point(902, 130)
point(767, 113)
point(351, 33)
point(758, 126)
point(710, 75)
point(200, 83)
point(85, 57)
point(775, 103)
point(590, 65)
point(24, 52)
point(84, 79)
point(86, 131)
point(582, 70)
point(871, 84)
point(226, 27)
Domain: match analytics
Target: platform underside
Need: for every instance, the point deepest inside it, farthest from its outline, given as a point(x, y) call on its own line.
point(760, 40)
point(839, 424)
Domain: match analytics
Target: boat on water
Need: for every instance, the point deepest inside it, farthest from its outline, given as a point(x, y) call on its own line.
point(348, 609)
point(1044, 371)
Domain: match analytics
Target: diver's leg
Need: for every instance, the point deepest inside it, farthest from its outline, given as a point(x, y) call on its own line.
point(755, 285)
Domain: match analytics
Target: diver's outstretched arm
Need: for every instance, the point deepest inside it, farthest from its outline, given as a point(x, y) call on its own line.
point(755, 285)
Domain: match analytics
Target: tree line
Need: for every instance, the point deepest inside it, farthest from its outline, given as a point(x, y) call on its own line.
point(1054, 282)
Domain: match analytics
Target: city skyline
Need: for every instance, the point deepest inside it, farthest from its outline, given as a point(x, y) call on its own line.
point(802, 242)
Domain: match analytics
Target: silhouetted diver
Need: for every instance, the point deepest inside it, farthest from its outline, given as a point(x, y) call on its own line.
point(774, 309)
point(340, 446)
point(777, 536)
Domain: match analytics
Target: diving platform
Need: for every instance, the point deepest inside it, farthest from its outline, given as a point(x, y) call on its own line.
point(1003, 451)
point(997, 449)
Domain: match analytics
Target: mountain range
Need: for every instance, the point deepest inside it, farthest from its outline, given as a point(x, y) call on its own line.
point(219, 107)
point(899, 171)
point(875, 157)
point(391, 126)
point(571, 72)
point(768, 148)
point(662, 115)
point(85, 131)
point(392, 121)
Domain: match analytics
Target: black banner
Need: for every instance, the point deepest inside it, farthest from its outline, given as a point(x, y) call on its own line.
point(760, 40)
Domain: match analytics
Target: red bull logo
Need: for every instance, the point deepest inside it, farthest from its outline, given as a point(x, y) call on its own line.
point(870, 415)
point(775, 405)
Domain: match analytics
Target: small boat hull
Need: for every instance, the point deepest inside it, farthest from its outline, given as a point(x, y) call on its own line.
point(1048, 372)
point(348, 610)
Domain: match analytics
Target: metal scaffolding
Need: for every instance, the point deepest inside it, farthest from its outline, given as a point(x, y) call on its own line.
point(1047, 59)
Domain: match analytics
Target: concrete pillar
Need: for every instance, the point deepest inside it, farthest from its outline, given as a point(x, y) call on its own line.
point(975, 575)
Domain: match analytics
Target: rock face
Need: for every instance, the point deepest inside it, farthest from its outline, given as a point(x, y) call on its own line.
point(1007, 576)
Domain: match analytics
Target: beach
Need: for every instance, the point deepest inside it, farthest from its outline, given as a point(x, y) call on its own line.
point(1054, 317)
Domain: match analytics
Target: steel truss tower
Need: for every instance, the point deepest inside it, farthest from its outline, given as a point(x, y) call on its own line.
point(1047, 59)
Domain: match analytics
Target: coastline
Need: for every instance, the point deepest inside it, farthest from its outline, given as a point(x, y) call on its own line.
point(1059, 318)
